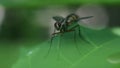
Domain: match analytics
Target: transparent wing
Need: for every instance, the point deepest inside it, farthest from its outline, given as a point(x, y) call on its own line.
point(99, 19)
point(44, 15)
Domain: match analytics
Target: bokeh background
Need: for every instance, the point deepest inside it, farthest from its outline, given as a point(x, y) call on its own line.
point(25, 39)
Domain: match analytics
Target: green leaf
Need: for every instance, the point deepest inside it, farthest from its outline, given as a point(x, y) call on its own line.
point(65, 53)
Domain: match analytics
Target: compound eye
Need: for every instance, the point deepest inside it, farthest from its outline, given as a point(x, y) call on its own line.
point(57, 25)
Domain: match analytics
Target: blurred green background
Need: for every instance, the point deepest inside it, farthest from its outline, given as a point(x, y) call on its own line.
point(25, 44)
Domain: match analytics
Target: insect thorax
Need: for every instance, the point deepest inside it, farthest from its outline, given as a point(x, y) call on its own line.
point(71, 19)
point(62, 24)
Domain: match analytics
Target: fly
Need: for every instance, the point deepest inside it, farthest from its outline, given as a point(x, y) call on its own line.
point(88, 15)
point(68, 24)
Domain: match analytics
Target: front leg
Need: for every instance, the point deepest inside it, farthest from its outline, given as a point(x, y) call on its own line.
point(62, 32)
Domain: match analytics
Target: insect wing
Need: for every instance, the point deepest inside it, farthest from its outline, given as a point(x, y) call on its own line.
point(85, 17)
point(45, 16)
point(99, 19)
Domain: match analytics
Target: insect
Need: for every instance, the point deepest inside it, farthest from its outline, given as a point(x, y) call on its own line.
point(68, 24)
point(90, 16)
point(62, 24)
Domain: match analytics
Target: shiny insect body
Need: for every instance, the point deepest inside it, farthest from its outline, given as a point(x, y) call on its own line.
point(68, 24)
point(87, 15)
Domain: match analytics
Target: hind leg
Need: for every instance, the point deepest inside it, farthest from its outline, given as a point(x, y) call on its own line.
point(75, 40)
point(81, 36)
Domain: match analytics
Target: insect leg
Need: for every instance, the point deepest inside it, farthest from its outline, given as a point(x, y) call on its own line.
point(76, 41)
point(59, 45)
point(51, 40)
point(81, 36)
